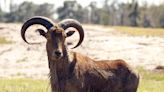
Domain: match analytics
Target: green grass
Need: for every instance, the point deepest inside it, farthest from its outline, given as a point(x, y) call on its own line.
point(150, 82)
point(137, 31)
point(4, 41)
point(24, 85)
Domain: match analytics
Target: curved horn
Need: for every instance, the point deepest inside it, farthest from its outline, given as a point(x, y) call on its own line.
point(47, 23)
point(75, 24)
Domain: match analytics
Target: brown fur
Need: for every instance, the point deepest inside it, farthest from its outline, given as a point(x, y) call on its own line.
point(79, 73)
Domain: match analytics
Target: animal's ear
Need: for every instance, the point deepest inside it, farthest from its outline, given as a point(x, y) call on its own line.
point(69, 33)
point(41, 32)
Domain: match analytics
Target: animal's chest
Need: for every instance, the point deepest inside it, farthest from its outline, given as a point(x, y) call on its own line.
point(71, 85)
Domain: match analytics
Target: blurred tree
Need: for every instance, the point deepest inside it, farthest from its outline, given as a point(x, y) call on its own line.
point(71, 9)
point(162, 22)
point(105, 13)
point(124, 11)
point(134, 14)
point(156, 15)
point(2, 14)
point(94, 13)
point(86, 13)
point(45, 9)
point(144, 20)
point(26, 10)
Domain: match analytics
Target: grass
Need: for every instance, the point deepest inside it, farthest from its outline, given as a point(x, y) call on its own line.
point(150, 82)
point(4, 41)
point(24, 85)
point(137, 31)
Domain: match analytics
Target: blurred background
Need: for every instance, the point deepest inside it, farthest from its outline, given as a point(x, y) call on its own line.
point(132, 30)
point(139, 13)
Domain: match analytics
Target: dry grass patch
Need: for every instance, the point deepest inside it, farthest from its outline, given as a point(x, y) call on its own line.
point(3, 40)
point(136, 31)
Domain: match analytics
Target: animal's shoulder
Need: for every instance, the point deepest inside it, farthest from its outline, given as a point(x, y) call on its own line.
point(83, 62)
point(80, 58)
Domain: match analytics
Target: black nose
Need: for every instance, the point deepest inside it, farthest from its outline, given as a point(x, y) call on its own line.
point(57, 53)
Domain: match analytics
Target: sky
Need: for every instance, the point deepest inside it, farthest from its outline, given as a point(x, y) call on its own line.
point(84, 3)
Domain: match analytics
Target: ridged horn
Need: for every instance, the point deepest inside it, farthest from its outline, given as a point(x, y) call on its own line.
point(75, 24)
point(47, 23)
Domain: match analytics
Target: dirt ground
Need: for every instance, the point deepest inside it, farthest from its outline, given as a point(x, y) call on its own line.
point(19, 59)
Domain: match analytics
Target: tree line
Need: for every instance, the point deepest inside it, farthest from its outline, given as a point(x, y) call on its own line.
point(113, 13)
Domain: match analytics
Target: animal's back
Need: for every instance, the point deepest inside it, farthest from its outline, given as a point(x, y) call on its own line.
point(107, 75)
point(120, 76)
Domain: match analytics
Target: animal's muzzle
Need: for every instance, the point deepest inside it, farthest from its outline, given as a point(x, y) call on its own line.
point(57, 54)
